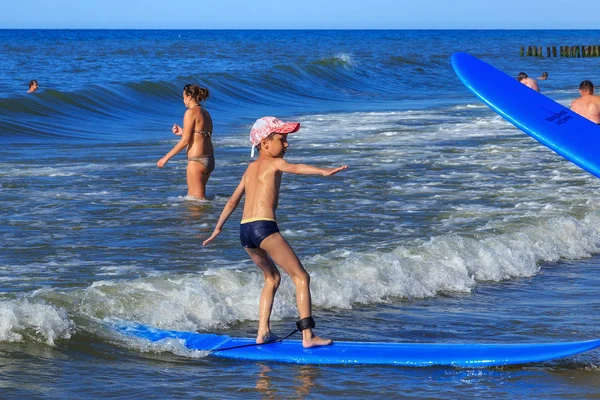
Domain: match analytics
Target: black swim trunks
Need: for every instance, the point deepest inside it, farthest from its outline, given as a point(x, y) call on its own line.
point(253, 232)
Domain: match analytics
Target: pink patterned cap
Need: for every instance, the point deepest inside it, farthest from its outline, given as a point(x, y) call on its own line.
point(264, 126)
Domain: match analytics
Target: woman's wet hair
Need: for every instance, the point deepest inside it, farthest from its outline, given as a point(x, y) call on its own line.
point(196, 92)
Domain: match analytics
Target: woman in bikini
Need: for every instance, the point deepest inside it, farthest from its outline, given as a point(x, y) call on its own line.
point(196, 135)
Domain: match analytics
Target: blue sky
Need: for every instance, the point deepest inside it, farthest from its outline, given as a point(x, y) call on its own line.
point(299, 14)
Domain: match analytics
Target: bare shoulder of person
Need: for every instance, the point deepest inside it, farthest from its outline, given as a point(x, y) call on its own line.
point(280, 164)
point(189, 115)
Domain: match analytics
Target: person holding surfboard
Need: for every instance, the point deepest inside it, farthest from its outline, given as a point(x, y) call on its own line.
point(588, 105)
point(259, 233)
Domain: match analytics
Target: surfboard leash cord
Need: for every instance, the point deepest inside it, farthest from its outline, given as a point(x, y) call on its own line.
point(301, 325)
point(256, 344)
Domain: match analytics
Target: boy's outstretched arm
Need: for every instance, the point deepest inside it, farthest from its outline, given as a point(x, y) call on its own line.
point(229, 208)
point(304, 169)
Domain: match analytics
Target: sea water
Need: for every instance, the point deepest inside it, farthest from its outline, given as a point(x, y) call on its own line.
point(450, 225)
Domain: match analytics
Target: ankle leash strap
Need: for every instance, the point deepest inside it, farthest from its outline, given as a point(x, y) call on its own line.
point(305, 323)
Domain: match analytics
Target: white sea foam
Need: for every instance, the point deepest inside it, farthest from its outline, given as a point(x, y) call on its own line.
point(449, 263)
point(56, 171)
point(469, 106)
point(170, 345)
point(208, 301)
point(24, 320)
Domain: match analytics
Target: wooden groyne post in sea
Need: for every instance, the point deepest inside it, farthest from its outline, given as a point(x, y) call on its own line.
point(564, 51)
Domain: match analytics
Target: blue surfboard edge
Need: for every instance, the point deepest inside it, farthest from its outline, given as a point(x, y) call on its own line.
point(578, 140)
point(363, 353)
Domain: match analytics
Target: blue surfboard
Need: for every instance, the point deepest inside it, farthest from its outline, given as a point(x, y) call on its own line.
point(572, 136)
point(400, 354)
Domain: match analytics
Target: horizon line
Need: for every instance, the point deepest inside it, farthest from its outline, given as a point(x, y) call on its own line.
point(303, 29)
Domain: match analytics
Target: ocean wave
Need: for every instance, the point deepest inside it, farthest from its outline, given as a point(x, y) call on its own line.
point(403, 60)
point(97, 113)
point(455, 263)
point(96, 109)
point(219, 298)
point(339, 60)
point(27, 321)
point(156, 90)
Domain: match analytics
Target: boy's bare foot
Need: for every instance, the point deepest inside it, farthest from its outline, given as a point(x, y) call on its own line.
point(314, 341)
point(266, 337)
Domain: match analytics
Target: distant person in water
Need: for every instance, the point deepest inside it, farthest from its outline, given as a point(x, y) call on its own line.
point(196, 135)
point(33, 86)
point(527, 81)
point(588, 105)
point(543, 77)
point(259, 233)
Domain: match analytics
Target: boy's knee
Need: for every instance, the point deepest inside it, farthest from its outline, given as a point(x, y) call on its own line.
point(273, 280)
point(302, 278)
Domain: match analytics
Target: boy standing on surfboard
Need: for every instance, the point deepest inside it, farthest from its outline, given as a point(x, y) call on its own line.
point(259, 233)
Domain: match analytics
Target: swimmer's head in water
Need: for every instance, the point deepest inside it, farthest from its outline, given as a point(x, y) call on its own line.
point(521, 76)
point(586, 87)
